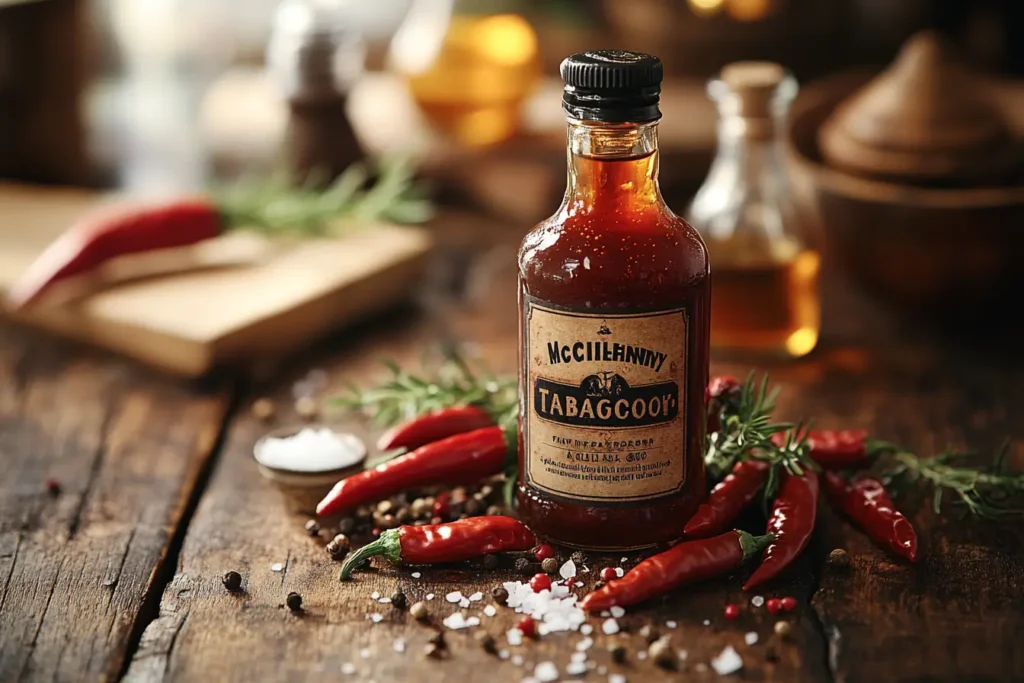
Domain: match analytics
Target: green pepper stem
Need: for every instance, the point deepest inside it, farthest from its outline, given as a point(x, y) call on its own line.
point(753, 546)
point(389, 546)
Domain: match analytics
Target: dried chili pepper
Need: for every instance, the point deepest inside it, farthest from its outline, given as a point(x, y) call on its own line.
point(841, 449)
point(686, 562)
point(451, 542)
point(117, 232)
point(718, 393)
point(460, 459)
point(791, 522)
point(435, 426)
point(866, 502)
point(727, 499)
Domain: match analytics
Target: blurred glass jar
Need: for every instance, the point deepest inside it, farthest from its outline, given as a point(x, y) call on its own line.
point(469, 65)
point(764, 271)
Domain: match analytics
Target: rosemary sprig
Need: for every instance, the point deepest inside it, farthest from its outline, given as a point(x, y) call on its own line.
point(406, 395)
point(987, 493)
point(746, 428)
point(276, 207)
point(792, 456)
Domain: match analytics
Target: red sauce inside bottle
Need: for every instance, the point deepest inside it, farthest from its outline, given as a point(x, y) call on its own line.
point(615, 246)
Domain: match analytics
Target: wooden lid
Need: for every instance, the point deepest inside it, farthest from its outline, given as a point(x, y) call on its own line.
point(924, 119)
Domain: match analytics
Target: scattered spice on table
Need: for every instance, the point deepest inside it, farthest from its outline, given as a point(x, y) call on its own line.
point(312, 527)
point(731, 611)
point(487, 643)
point(232, 580)
point(52, 487)
point(549, 565)
point(782, 628)
point(684, 563)
point(263, 409)
point(399, 600)
point(839, 558)
point(294, 602)
point(662, 653)
point(865, 501)
point(418, 611)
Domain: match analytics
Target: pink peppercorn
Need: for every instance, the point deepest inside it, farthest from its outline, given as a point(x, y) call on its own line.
point(528, 627)
point(774, 605)
point(732, 611)
point(609, 574)
point(543, 552)
point(540, 582)
point(788, 603)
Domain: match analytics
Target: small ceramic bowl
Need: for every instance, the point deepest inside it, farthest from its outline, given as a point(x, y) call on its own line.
point(304, 489)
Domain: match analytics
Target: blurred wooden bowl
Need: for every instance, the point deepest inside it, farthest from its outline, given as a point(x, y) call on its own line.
point(946, 253)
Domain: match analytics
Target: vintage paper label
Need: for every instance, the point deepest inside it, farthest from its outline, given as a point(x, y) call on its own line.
point(605, 419)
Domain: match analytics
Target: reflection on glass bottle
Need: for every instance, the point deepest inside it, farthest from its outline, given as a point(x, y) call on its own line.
point(764, 274)
point(469, 66)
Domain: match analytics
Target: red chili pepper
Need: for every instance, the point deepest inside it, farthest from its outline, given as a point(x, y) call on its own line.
point(435, 426)
point(451, 542)
point(683, 563)
point(460, 459)
point(840, 449)
point(792, 523)
point(728, 499)
point(716, 395)
point(100, 237)
point(866, 502)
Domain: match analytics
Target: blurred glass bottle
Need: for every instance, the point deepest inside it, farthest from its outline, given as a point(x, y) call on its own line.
point(764, 272)
point(469, 64)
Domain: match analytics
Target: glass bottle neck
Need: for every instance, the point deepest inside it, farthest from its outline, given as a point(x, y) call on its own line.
point(612, 164)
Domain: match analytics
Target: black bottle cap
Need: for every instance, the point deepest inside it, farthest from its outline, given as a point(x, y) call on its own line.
point(612, 85)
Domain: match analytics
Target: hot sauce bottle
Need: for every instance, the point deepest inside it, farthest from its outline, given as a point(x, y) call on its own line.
point(614, 297)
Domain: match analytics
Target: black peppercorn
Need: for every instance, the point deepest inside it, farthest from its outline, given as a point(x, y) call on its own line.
point(472, 507)
point(549, 565)
point(347, 525)
point(438, 640)
point(232, 581)
point(500, 594)
point(649, 633)
point(312, 527)
point(491, 562)
point(399, 600)
point(578, 558)
point(839, 558)
point(487, 642)
point(294, 602)
point(523, 565)
point(618, 653)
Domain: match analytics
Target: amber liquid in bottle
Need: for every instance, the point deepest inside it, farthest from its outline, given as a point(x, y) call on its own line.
point(765, 306)
point(615, 247)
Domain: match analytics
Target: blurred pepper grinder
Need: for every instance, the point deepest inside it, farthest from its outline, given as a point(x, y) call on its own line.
point(764, 272)
point(469, 65)
point(315, 58)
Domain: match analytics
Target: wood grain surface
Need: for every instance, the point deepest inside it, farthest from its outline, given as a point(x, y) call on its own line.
point(957, 615)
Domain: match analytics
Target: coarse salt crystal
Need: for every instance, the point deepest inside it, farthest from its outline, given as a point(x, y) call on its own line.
point(454, 596)
point(458, 620)
point(707, 622)
point(579, 584)
point(384, 600)
point(375, 595)
point(416, 575)
point(530, 679)
point(348, 668)
point(750, 638)
point(399, 645)
point(670, 624)
point(683, 654)
point(617, 612)
point(619, 571)
point(624, 559)
point(576, 668)
point(603, 670)
point(701, 667)
point(517, 660)
point(429, 596)
point(610, 627)
point(490, 610)
point(586, 629)
point(757, 600)
point(276, 567)
point(365, 653)
point(503, 654)
point(568, 570)
point(605, 613)
point(311, 449)
point(514, 637)
point(476, 596)
point(464, 603)
point(727, 662)
point(614, 678)
point(546, 672)
point(578, 657)
point(376, 617)
point(642, 654)
point(584, 645)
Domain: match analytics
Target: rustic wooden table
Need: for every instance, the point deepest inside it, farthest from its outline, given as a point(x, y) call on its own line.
point(119, 576)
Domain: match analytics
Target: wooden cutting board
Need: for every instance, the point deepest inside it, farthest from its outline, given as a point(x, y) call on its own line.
point(190, 322)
